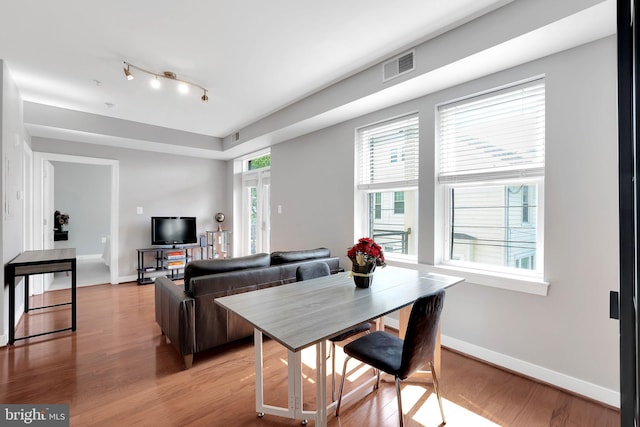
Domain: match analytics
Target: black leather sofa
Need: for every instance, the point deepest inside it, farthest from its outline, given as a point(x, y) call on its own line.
point(188, 315)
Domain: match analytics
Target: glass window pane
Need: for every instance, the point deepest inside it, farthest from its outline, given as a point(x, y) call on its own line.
point(390, 228)
point(488, 225)
point(259, 162)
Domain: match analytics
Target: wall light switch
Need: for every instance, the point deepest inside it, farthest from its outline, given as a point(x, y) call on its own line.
point(139, 210)
point(279, 209)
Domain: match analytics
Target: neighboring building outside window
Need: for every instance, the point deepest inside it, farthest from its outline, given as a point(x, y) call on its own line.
point(491, 167)
point(388, 183)
point(398, 203)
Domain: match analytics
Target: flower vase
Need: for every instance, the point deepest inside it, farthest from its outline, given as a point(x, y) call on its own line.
point(363, 274)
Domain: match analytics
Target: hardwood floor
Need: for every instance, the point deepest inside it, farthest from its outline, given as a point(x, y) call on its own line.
point(116, 369)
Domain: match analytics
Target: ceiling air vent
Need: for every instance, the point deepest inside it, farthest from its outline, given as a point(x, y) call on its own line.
point(397, 66)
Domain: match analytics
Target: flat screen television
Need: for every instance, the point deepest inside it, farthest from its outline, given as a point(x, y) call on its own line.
point(173, 230)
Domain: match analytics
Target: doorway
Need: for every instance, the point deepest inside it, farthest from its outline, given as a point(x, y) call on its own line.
point(44, 217)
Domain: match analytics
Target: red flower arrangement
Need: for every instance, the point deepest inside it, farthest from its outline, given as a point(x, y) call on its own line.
point(366, 251)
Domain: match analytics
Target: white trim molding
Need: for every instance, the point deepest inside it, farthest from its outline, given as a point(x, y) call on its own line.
point(557, 379)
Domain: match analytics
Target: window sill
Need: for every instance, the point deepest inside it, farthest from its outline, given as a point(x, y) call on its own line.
point(494, 280)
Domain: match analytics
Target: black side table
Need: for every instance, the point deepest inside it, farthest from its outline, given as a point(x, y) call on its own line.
point(39, 262)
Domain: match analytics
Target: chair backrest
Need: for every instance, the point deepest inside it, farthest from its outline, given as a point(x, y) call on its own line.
point(312, 270)
point(422, 329)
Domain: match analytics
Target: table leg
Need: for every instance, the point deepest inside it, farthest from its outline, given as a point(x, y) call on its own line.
point(11, 279)
point(26, 293)
point(294, 367)
point(73, 295)
point(257, 344)
point(321, 383)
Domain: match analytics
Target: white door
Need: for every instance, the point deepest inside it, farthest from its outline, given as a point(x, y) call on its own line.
point(47, 213)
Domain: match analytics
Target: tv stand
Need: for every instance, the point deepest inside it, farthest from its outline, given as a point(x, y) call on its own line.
point(168, 261)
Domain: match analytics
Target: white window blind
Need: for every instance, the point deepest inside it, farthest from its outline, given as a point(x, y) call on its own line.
point(388, 154)
point(500, 135)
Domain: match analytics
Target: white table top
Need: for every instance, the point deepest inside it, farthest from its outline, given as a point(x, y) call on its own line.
point(301, 314)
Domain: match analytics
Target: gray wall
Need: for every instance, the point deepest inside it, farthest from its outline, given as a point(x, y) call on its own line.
point(566, 337)
point(162, 184)
point(83, 192)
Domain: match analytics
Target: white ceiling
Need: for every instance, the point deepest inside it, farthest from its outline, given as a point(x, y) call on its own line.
point(254, 57)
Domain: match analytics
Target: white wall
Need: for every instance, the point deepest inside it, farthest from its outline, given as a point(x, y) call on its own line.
point(162, 184)
point(83, 192)
point(566, 337)
point(13, 137)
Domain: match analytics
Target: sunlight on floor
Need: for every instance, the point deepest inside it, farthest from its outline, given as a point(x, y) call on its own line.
point(428, 414)
point(420, 402)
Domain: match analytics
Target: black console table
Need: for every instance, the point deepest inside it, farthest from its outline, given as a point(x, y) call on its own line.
point(169, 262)
point(39, 262)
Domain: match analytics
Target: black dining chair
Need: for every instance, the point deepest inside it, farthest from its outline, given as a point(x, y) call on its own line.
point(401, 358)
point(314, 270)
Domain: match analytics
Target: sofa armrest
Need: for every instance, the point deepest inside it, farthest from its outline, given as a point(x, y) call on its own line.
point(175, 313)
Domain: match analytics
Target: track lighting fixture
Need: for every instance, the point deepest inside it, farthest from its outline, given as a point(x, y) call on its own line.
point(183, 85)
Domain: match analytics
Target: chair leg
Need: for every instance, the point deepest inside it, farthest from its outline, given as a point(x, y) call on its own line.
point(436, 386)
point(344, 374)
point(400, 415)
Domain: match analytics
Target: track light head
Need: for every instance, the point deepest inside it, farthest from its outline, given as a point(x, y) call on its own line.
point(127, 73)
point(204, 97)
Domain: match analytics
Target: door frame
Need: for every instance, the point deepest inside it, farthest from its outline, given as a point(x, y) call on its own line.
point(628, 40)
point(114, 166)
point(27, 199)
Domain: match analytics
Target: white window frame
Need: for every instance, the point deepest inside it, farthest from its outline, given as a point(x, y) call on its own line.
point(364, 190)
point(530, 281)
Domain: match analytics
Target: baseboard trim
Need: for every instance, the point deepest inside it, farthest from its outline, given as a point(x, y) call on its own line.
point(535, 372)
point(89, 257)
point(574, 385)
point(125, 279)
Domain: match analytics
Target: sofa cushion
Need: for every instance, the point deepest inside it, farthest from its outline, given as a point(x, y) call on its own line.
point(213, 266)
point(283, 257)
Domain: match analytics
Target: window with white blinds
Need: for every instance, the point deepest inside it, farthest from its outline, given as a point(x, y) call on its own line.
point(498, 135)
point(387, 157)
point(388, 154)
point(491, 167)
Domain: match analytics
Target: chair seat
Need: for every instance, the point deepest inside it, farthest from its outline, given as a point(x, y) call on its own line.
point(378, 349)
point(363, 327)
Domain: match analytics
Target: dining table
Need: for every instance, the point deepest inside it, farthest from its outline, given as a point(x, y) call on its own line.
point(307, 313)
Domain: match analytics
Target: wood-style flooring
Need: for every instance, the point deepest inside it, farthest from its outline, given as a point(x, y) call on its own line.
point(117, 370)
